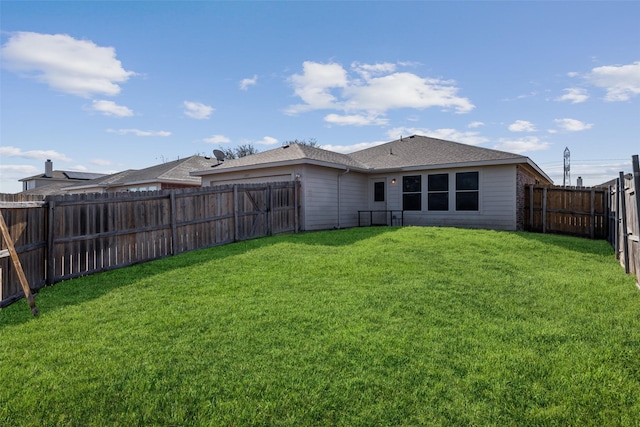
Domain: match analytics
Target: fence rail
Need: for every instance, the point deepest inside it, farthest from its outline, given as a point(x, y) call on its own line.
point(62, 237)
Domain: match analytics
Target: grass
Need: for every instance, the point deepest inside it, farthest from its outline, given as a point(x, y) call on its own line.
point(360, 327)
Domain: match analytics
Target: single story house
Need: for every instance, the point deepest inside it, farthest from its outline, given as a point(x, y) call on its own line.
point(421, 180)
point(52, 181)
point(165, 176)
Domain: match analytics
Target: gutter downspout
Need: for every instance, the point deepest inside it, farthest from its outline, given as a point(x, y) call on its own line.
point(339, 176)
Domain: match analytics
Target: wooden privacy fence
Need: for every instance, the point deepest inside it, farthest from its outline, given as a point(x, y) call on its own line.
point(624, 218)
point(574, 211)
point(63, 237)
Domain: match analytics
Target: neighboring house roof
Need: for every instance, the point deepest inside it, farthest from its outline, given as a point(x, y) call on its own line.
point(175, 172)
point(64, 176)
point(411, 153)
point(287, 155)
point(50, 189)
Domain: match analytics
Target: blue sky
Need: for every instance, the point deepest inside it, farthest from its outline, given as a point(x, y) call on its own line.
point(108, 86)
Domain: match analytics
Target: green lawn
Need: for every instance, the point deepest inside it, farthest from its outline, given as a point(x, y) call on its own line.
point(360, 327)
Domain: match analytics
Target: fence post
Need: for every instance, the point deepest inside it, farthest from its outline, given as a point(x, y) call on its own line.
point(50, 248)
point(296, 212)
point(592, 225)
point(270, 211)
point(636, 186)
point(174, 228)
point(623, 215)
point(531, 190)
point(544, 210)
point(616, 228)
point(236, 229)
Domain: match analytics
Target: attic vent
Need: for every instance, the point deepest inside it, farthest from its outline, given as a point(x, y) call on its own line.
point(285, 146)
point(412, 136)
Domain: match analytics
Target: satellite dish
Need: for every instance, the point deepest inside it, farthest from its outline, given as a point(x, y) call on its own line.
point(219, 155)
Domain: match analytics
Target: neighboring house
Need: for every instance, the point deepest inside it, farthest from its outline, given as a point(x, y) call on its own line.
point(52, 181)
point(428, 181)
point(165, 176)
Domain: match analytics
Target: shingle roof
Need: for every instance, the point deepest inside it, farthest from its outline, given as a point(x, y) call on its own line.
point(415, 151)
point(290, 153)
point(174, 171)
point(65, 175)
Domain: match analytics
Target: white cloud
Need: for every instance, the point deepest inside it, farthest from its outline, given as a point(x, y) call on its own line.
point(620, 81)
point(474, 125)
point(466, 137)
point(110, 108)
point(267, 140)
point(376, 89)
point(574, 95)
point(10, 151)
point(138, 132)
point(354, 120)
point(217, 139)
point(405, 90)
point(522, 126)
point(314, 85)
point(344, 149)
point(197, 110)
point(367, 70)
point(572, 125)
point(78, 67)
point(245, 83)
point(19, 170)
point(101, 162)
point(522, 145)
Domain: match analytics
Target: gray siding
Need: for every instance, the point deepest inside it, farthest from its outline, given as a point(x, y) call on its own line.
point(497, 200)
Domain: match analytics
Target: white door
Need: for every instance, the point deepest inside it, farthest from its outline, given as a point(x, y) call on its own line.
point(378, 202)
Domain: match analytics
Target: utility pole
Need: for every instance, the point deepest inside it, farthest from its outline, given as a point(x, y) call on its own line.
point(567, 167)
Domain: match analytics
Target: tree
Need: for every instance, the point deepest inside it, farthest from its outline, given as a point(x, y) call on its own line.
point(239, 151)
point(312, 142)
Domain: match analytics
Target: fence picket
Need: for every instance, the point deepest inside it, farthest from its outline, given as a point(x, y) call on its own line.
point(74, 235)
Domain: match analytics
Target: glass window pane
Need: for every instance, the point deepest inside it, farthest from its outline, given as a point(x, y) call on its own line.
point(378, 191)
point(412, 202)
point(412, 183)
point(438, 201)
point(467, 181)
point(439, 182)
point(467, 201)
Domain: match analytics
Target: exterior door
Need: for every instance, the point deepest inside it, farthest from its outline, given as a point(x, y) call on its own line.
point(378, 203)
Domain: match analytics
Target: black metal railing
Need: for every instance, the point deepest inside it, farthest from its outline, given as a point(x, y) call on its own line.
point(380, 217)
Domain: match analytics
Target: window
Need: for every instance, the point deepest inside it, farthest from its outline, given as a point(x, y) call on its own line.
point(412, 192)
point(378, 191)
point(467, 184)
point(438, 194)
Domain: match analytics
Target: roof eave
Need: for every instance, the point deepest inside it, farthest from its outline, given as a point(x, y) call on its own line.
point(295, 162)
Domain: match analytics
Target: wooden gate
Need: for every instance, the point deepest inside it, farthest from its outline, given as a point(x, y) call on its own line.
point(579, 212)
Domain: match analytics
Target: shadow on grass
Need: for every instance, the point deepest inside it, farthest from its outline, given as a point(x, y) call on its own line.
point(83, 289)
point(576, 244)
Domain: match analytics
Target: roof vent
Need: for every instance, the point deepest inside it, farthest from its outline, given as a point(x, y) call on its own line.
point(286, 146)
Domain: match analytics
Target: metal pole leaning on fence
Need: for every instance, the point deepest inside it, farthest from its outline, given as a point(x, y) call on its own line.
point(16, 263)
point(636, 183)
